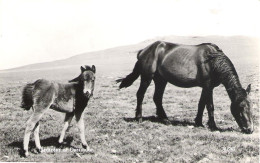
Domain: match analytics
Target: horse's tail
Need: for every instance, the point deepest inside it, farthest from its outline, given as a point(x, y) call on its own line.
point(27, 96)
point(129, 79)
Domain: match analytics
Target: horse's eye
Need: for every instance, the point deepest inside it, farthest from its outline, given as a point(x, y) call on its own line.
point(243, 105)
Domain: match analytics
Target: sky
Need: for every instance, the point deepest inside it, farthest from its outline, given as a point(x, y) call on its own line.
point(33, 31)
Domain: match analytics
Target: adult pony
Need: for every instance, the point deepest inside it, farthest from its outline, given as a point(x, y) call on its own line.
point(203, 65)
point(71, 98)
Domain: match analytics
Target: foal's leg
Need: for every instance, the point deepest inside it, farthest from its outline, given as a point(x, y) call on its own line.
point(30, 127)
point(145, 82)
point(80, 123)
point(160, 85)
point(67, 121)
point(201, 107)
point(37, 138)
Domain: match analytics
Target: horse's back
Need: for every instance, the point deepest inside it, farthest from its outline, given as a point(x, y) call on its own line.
point(181, 65)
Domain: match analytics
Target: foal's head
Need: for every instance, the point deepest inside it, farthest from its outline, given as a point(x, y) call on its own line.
point(241, 110)
point(86, 80)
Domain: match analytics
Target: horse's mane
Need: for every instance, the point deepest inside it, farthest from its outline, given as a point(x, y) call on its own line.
point(224, 70)
point(216, 48)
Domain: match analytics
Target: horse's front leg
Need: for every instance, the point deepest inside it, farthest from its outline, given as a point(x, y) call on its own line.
point(145, 82)
point(210, 108)
point(67, 121)
point(80, 123)
point(201, 107)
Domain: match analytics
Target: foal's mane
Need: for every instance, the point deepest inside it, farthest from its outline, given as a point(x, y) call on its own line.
point(88, 68)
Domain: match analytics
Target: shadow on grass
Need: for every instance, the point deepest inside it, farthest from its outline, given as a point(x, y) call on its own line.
point(48, 142)
point(177, 122)
point(158, 120)
point(229, 129)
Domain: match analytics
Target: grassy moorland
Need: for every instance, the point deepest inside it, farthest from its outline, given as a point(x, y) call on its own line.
point(111, 130)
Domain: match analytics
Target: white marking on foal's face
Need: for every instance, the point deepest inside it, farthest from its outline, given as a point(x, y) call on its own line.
point(87, 87)
point(88, 84)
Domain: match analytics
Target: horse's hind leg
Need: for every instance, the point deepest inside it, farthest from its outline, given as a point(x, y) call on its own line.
point(145, 82)
point(160, 85)
point(67, 121)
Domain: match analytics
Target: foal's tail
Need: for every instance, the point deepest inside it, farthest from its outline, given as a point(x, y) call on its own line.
point(27, 96)
point(129, 79)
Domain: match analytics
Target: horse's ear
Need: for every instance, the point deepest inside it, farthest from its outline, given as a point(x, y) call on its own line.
point(94, 68)
point(248, 89)
point(82, 69)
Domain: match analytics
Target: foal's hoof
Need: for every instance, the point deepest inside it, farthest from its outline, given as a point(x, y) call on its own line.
point(25, 153)
point(39, 150)
point(61, 145)
point(88, 149)
point(85, 146)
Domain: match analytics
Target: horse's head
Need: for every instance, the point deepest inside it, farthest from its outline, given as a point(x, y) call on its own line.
point(241, 110)
point(86, 80)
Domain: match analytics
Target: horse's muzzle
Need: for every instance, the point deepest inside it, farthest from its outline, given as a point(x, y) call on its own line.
point(248, 130)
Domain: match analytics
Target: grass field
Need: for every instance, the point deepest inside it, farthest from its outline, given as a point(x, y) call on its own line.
point(111, 130)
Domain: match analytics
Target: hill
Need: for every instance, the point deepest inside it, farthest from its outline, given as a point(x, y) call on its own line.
point(245, 47)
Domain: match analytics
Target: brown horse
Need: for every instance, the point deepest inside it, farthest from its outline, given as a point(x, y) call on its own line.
point(203, 65)
point(71, 98)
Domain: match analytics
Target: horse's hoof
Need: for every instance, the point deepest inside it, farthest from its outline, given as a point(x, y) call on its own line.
point(199, 125)
point(139, 119)
point(212, 126)
point(166, 121)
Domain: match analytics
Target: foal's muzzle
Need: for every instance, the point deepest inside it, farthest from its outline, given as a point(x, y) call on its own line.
point(88, 94)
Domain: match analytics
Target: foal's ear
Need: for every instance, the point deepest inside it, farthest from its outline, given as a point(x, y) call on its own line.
point(94, 68)
point(248, 89)
point(82, 69)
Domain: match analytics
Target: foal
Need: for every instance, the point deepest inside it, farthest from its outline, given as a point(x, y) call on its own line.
point(71, 98)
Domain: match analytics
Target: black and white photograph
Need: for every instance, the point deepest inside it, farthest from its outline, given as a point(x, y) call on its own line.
point(133, 81)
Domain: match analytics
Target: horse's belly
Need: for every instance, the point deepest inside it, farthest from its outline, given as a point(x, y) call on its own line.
point(63, 106)
point(180, 73)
